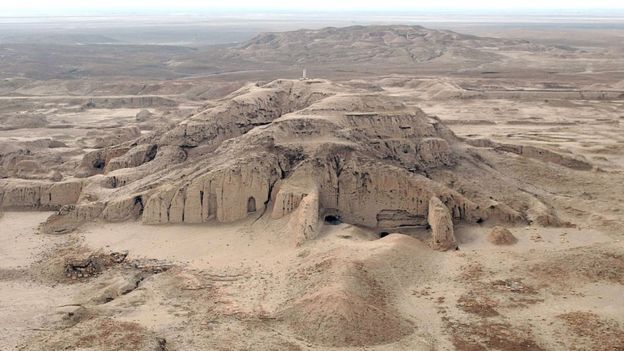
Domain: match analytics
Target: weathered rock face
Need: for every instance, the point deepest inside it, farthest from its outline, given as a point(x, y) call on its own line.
point(301, 149)
point(16, 194)
point(32, 159)
point(133, 158)
point(123, 209)
point(118, 136)
point(236, 116)
point(225, 194)
point(70, 217)
point(545, 155)
point(366, 195)
point(304, 223)
point(441, 222)
point(542, 214)
point(288, 194)
point(94, 162)
point(435, 151)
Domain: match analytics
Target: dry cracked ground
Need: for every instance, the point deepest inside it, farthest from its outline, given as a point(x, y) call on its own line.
point(473, 211)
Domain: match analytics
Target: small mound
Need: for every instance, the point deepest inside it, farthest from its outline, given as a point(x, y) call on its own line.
point(340, 301)
point(143, 115)
point(63, 317)
point(334, 316)
point(501, 236)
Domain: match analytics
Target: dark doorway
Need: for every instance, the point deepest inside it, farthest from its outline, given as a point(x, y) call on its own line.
point(251, 205)
point(383, 234)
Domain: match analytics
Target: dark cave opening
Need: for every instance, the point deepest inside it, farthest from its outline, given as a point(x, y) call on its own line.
point(99, 164)
point(332, 220)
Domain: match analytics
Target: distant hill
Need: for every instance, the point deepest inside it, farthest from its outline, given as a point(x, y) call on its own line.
point(388, 45)
point(329, 52)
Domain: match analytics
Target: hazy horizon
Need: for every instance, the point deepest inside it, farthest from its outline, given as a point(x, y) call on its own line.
point(187, 7)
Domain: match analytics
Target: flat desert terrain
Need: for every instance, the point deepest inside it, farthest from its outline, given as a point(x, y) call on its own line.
point(457, 186)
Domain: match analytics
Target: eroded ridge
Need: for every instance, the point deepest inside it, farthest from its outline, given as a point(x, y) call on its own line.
point(311, 147)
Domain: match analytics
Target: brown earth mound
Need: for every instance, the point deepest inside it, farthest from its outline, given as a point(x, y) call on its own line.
point(501, 236)
point(338, 315)
point(342, 298)
point(360, 157)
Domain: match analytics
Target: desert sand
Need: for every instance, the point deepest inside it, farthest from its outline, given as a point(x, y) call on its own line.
point(468, 195)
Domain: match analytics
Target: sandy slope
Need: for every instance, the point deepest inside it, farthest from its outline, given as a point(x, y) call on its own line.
point(24, 299)
point(230, 283)
point(253, 284)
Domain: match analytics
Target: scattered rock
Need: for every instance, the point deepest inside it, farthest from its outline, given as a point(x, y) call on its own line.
point(94, 264)
point(515, 286)
point(501, 236)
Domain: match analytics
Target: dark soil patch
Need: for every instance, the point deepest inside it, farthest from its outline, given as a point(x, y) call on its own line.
point(482, 306)
point(587, 266)
point(594, 332)
point(487, 335)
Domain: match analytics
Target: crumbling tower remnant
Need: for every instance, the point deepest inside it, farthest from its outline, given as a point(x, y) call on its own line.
point(441, 222)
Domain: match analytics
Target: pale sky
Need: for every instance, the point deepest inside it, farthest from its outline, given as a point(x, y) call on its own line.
point(42, 5)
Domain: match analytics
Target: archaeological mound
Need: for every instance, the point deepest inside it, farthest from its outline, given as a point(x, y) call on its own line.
point(318, 152)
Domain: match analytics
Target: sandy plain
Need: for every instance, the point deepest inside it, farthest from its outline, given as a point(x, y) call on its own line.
point(252, 285)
